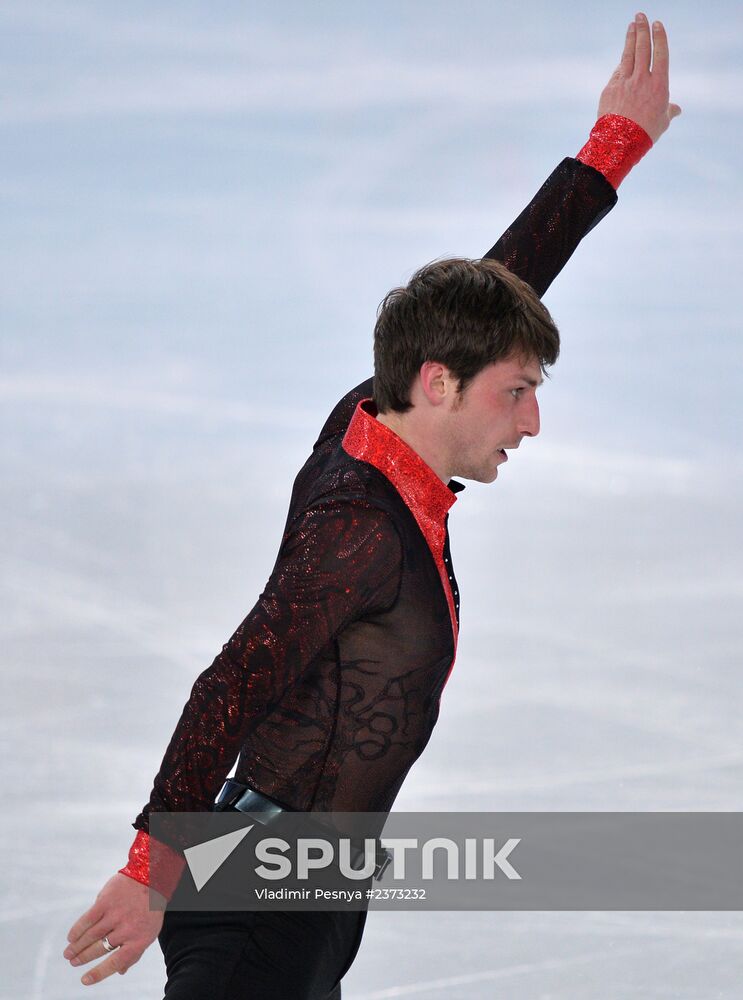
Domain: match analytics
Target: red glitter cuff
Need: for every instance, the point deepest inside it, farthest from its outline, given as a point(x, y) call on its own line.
point(167, 864)
point(614, 146)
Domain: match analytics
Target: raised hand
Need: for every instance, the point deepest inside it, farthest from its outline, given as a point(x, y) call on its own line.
point(121, 913)
point(636, 90)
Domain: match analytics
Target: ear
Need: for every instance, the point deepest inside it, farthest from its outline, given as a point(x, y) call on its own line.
point(436, 382)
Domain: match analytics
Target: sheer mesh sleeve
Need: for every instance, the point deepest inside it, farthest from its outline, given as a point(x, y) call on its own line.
point(339, 562)
point(536, 247)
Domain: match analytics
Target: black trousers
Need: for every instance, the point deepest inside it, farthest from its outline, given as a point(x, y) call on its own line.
point(259, 955)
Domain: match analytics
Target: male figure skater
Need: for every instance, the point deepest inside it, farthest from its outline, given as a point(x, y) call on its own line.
point(330, 688)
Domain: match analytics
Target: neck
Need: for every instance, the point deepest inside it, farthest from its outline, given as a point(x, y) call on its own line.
point(406, 427)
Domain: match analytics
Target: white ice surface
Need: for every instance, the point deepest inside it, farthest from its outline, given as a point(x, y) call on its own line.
point(182, 233)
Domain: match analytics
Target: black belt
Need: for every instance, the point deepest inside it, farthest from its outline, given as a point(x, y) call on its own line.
point(241, 798)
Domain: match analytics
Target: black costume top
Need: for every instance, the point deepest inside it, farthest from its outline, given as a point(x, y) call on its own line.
point(330, 687)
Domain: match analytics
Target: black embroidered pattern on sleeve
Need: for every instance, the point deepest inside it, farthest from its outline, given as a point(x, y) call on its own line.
point(338, 562)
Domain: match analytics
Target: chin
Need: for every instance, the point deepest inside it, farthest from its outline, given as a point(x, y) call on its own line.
point(477, 469)
point(478, 475)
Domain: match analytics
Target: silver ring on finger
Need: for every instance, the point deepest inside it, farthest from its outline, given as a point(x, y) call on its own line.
point(107, 944)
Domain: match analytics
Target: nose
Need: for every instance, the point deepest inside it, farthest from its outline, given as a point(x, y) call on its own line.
point(529, 418)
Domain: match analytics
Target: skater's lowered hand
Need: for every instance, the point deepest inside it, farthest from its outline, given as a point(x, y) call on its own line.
point(122, 914)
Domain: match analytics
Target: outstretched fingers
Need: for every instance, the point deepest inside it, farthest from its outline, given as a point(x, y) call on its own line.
point(660, 52)
point(627, 62)
point(635, 91)
point(95, 949)
point(86, 921)
point(89, 928)
point(118, 961)
point(121, 914)
point(643, 48)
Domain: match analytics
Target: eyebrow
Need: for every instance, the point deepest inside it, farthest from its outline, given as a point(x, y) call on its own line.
point(531, 381)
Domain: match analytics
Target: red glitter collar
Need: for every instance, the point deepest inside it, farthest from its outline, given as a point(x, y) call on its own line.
point(371, 441)
point(426, 496)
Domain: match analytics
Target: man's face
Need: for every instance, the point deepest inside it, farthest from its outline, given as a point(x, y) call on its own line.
point(497, 409)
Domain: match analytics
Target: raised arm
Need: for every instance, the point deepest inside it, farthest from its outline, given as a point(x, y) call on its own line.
point(633, 113)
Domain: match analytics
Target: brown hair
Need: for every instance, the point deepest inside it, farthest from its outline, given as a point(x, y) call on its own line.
point(465, 314)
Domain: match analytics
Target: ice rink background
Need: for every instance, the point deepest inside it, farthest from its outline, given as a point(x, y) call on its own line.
point(202, 205)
